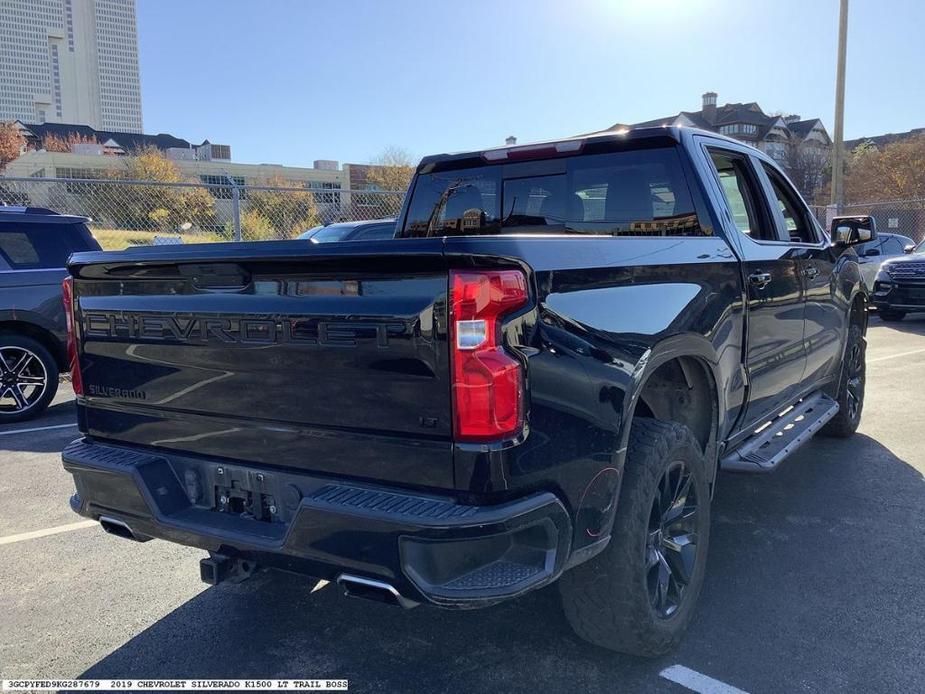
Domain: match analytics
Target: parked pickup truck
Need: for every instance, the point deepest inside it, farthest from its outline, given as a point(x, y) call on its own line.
point(536, 381)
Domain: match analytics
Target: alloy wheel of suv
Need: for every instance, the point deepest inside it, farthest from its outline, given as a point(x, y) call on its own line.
point(28, 378)
point(23, 379)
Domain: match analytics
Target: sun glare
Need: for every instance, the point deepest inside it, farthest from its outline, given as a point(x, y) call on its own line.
point(654, 10)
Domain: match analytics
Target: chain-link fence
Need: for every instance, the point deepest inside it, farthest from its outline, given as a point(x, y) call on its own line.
point(904, 217)
point(820, 214)
point(143, 212)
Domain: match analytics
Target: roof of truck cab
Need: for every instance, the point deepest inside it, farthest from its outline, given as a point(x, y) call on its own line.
point(667, 133)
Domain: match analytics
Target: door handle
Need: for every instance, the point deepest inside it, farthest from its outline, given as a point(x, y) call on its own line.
point(811, 271)
point(760, 279)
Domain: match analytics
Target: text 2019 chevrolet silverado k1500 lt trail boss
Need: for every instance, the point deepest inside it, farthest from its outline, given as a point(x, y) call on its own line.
point(537, 380)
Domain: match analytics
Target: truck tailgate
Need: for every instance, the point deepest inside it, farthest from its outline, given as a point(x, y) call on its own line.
point(323, 359)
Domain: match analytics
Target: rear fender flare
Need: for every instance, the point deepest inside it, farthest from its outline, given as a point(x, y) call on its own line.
point(692, 346)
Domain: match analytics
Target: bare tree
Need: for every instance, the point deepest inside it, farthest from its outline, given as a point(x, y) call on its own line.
point(808, 167)
point(391, 170)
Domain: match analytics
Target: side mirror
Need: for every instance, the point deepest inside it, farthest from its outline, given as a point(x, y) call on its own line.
point(870, 252)
point(850, 231)
point(909, 249)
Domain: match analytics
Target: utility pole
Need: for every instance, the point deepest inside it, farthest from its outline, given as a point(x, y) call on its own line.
point(838, 157)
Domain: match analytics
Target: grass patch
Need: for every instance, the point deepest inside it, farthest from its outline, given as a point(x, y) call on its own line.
point(117, 239)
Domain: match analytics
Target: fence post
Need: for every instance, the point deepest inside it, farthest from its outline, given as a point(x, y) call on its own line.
point(235, 208)
point(831, 211)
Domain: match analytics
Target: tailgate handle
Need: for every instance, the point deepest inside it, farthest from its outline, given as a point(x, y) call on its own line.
point(218, 278)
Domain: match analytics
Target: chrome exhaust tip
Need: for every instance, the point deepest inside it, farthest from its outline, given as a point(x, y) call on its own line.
point(371, 589)
point(119, 528)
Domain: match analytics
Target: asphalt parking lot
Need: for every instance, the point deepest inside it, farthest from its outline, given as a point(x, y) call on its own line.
point(815, 583)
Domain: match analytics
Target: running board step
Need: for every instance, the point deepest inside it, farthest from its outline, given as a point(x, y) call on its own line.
point(768, 448)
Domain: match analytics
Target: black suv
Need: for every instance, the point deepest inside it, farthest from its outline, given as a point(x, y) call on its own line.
point(34, 247)
point(899, 287)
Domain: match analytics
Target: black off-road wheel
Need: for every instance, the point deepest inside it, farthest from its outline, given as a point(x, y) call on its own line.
point(638, 595)
point(891, 316)
point(28, 378)
point(850, 387)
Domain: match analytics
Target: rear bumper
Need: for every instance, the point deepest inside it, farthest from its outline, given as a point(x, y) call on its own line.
point(429, 548)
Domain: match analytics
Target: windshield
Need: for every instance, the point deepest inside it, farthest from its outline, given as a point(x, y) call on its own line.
point(308, 233)
point(634, 193)
point(331, 233)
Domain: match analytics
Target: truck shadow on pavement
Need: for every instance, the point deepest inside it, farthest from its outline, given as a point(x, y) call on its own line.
point(813, 578)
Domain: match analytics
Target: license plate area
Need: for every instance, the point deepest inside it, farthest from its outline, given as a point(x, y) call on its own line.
point(246, 494)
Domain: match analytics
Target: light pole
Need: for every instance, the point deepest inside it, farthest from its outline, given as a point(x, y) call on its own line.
point(838, 157)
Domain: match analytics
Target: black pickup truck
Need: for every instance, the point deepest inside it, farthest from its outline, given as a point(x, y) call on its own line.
point(535, 381)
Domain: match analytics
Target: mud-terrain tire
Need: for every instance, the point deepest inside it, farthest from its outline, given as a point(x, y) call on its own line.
point(612, 600)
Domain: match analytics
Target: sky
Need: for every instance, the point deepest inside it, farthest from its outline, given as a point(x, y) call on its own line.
point(292, 81)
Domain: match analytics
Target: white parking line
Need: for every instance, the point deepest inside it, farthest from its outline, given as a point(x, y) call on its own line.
point(26, 431)
point(693, 680)
point(20, 537)
point(896, 356)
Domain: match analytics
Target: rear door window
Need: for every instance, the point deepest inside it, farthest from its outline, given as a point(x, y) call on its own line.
point(632, 193)
point(742, 194)
point(36, 246)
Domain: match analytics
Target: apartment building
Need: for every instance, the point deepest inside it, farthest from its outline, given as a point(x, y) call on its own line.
point(782, 137)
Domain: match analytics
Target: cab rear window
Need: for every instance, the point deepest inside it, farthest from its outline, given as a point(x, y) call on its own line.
point(632, 193)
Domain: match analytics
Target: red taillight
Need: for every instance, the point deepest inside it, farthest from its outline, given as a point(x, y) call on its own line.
point(487, 382)
point(67, 292)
